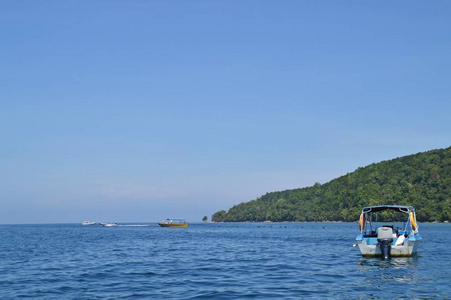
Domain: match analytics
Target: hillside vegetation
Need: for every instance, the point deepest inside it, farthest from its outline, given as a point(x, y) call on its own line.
point(422, 180)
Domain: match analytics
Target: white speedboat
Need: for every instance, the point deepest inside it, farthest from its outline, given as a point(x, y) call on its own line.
point(88, 223)
point(388, 238)
point(108, 224)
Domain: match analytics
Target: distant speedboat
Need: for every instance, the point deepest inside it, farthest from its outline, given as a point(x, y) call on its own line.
point(88, 223)
point(108, 224)
point(391, 239)
point(174, 223)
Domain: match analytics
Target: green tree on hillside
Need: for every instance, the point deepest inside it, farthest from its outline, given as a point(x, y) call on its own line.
point(422, 180)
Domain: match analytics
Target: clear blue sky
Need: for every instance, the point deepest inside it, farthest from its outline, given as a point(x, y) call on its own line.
point(135, 111)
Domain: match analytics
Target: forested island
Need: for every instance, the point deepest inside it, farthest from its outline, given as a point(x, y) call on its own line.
point(422, 180)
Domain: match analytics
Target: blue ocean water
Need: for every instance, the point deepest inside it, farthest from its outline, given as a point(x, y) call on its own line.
point(214, 261)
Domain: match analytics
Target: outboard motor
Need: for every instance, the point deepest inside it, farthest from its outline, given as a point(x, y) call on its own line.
point(385, 238)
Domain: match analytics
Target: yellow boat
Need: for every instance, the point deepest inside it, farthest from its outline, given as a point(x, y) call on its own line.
point(174, 223)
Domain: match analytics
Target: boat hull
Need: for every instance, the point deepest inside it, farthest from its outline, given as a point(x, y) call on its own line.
point(369, 247)
point(173, 225)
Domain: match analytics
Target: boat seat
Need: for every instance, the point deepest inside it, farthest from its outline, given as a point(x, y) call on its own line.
point(370, 235)
point(400, 240)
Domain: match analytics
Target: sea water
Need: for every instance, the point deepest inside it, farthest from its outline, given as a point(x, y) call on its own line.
point(214, 261)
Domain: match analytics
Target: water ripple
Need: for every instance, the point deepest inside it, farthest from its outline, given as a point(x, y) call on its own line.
point(213, 261)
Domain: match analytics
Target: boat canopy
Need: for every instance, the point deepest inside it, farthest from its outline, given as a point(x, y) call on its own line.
point(174, 220)
point(400, 208)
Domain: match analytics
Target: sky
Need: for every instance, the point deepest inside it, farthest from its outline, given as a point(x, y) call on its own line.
point(138, 111)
